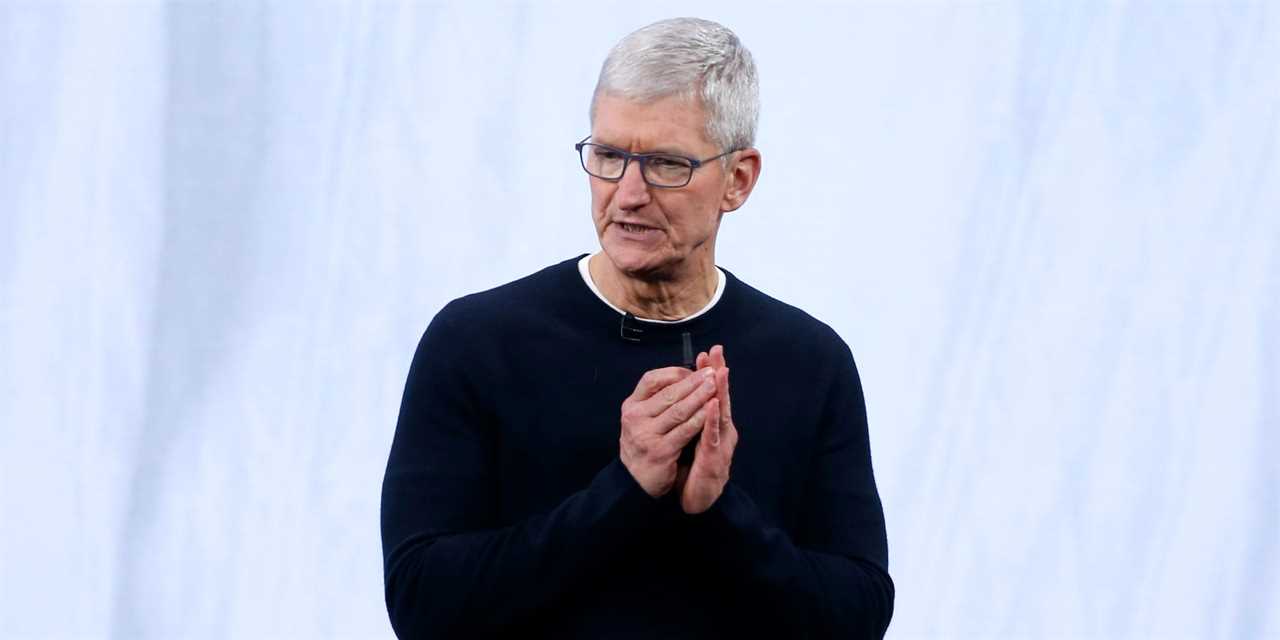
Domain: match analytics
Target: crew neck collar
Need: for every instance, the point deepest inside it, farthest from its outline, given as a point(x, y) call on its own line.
point(584, 270)
point(725, 306)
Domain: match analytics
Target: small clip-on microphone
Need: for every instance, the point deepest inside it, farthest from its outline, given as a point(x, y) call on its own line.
point(629, 331)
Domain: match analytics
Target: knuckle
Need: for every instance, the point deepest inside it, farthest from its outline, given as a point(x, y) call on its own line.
point(665, 451)
point(635, 413)
point(681, 435)
point(691, 429)
point(684, 432)
point(679, 414)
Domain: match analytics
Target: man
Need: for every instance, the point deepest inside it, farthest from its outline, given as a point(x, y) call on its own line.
point(536, 485)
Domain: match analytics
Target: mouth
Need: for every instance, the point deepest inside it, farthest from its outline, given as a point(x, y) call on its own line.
point(635, 228)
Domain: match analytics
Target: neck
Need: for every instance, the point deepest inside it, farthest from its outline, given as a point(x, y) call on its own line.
point(677, 296)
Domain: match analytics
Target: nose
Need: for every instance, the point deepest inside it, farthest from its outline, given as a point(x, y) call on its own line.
point(632, 191)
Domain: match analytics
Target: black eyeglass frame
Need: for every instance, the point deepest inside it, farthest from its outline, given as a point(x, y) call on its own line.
point(627, 156)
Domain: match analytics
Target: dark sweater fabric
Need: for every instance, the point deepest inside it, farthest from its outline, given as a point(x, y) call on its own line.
point(507, 512)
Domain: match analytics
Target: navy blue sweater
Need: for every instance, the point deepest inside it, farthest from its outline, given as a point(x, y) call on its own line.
point(506, 511)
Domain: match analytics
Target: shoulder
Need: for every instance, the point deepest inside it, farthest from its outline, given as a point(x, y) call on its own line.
point(770, 317)
point(476, 330)
point(530, 294)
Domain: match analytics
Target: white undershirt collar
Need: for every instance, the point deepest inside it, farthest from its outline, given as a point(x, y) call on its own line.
point(585, 270)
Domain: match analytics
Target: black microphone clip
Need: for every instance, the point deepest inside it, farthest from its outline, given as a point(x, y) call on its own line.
point(629, 333)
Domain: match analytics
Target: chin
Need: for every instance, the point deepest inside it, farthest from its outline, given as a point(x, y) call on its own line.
point(637, 262)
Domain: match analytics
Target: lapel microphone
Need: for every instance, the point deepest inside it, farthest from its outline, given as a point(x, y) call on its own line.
point(630, 330)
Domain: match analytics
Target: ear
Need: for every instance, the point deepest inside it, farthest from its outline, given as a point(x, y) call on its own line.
point(741, 179)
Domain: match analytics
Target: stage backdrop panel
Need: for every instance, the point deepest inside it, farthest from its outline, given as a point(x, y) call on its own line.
point(1050, 233)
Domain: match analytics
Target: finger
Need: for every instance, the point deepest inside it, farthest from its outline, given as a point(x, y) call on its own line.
point(687, 406)
point(717, 356)
point(685, 431)
point(655, 380)
point(722, 390)
point(703, 360)
point(711, 431)
point(668, 397)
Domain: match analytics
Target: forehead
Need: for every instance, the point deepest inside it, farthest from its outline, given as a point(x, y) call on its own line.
point(667, 124)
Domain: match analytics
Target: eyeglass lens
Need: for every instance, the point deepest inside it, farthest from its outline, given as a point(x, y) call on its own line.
point(659, 169)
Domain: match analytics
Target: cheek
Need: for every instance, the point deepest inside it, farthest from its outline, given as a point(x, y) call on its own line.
point(600, 195)
point(698, 217)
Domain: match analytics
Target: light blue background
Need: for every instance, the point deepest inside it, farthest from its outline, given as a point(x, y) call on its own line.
point(1049, 231)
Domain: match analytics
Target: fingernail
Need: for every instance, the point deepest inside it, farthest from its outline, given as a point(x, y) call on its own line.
point(715, 437)
point(708, 373)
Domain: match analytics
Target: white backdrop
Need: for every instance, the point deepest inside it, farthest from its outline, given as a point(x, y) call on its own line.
point(1049, 231)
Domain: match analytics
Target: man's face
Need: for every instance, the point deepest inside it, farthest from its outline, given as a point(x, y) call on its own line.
point(650, 231)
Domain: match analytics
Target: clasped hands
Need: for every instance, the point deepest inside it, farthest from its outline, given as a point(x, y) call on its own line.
point(667, 409)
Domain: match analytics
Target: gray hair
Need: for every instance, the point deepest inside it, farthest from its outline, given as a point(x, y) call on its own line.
point(689, 58)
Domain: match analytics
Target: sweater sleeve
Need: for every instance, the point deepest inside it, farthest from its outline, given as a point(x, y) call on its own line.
point(831, 579)
point(450, 568)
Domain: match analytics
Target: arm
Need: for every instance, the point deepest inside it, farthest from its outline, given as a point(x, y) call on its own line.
point(832, 579)
point(449, 568)
point(818, 594)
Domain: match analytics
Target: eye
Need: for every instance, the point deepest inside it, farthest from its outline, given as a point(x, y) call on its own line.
point(668, 162)
point(606, 154)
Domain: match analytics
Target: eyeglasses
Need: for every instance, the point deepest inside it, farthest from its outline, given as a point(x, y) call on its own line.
point(663, 170)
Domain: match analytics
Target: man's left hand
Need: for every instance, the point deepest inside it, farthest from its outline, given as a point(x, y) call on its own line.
point(701, 484)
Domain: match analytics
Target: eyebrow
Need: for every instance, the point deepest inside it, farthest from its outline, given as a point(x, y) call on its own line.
point(662, 150)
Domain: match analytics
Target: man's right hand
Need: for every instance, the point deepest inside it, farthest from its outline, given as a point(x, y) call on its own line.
point(662, 415)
